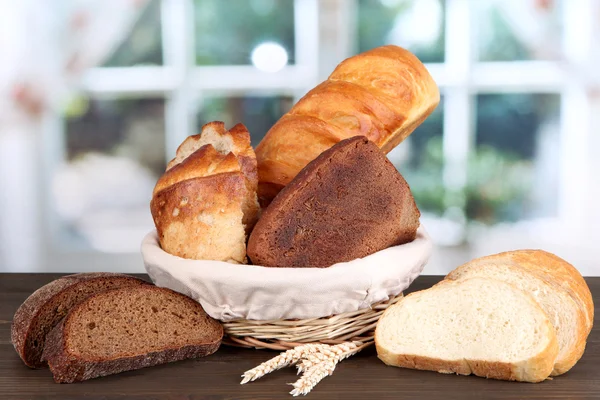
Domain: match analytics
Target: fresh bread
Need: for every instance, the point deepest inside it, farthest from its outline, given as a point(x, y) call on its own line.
point(383, 94)
point(347, 203)
point(205, 204)
point(126, 329)
point(479, 326)
point(553, 268)
point(565, 313)
point(50, 303)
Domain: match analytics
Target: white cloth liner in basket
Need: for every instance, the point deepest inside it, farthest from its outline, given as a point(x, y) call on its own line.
point(231, 291)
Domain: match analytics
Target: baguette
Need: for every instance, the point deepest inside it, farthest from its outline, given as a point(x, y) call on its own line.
point(383, 94)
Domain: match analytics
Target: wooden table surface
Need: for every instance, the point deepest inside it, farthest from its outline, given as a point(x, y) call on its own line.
point(217, 377)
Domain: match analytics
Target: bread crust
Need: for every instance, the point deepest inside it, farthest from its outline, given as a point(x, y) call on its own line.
point(535, 369)
point(347, 203)
point(201, 218)
point(532, 371)
point(559, 274)
point(205, 204)
point(43, 303)
point(383, 94)
point(68, 368)
point(565, 276)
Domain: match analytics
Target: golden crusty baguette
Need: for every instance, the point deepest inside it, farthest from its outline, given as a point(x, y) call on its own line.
point(383, 94)
point(205, 203)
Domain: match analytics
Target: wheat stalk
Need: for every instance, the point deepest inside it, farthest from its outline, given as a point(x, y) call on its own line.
point(339, 351)
point(314, 361)
point(284, 359)
point(314, 375)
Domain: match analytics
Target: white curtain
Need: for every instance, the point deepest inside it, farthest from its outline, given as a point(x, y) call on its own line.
point(45, 47)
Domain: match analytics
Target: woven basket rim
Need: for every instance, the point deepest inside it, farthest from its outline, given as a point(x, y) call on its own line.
point(285, 334)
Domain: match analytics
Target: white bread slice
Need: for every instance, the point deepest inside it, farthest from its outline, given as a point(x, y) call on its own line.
point(477, 326)
point(554, 269)
point(566, 316)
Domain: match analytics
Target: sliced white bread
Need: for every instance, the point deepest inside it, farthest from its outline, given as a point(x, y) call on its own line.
point(566, 316)
point(554, 269)
point(478, 326)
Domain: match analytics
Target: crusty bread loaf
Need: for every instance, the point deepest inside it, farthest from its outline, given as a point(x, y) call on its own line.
point(346, 204)
point(50, 303)
point(383, 94)
point(126, 329)
point(566, 316)
point(205, 204)
point(478, 326)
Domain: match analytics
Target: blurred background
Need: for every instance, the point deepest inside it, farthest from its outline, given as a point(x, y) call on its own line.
point(96, 96)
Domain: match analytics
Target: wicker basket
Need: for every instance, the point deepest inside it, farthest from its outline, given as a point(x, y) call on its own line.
point(357, 326)
point(281, 308)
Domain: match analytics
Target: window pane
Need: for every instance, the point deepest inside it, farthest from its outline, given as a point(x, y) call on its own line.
point(513, 173)
point(115, 153)
point(259, 114)
point(143, 46)
point(228, 31)
point(518, 30)
point(417, 25)
point(420, 160)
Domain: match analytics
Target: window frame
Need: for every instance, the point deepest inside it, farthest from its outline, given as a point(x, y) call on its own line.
point(461, 77)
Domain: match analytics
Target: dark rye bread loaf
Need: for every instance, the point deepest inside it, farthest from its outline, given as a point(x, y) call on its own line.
point(126, 329)
point(347, 203)
point(49, 304)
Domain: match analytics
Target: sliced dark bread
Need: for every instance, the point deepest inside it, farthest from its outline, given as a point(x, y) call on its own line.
point(126, 329)
point(49, 304)
point(347, 203)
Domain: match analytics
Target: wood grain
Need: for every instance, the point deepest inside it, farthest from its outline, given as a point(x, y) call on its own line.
point(217, 377)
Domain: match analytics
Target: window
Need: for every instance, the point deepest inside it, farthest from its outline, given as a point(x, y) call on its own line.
point(258, 113)
point(227, 31)
point(184, 63)
point(497, 150)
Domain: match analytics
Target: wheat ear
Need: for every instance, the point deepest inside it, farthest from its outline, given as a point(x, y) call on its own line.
point(284, 359)
point(315, 367)
point(313, 375)
point(339, 351)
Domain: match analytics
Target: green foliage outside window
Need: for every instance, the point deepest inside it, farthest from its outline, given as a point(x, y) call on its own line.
point(497, 185)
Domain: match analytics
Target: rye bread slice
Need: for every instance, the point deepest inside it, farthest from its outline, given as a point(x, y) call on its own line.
point(50, 303)
point(347, 203)
point(126, 329)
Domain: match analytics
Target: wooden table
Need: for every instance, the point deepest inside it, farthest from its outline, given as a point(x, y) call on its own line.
point(217, 377)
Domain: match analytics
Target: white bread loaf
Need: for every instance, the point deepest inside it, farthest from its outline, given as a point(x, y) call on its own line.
point(205, 203)
point(478, 326)
point(565, 314)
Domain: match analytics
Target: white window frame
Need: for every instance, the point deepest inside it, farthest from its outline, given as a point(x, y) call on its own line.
point(461, 77)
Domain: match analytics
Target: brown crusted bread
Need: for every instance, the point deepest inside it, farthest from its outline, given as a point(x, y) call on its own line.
point(346, 204)
point(50, 303)
point(479, 326)
point(383, 94)
point(126, 329)
point(205, 203)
